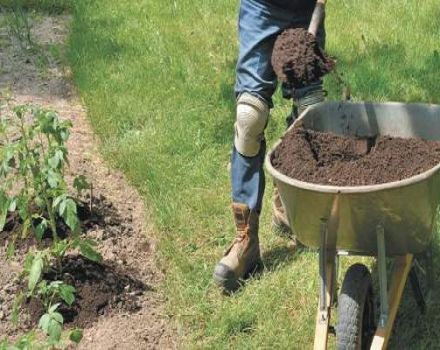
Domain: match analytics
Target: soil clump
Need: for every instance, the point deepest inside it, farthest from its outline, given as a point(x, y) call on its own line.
point(330, 159)
point(297, 58)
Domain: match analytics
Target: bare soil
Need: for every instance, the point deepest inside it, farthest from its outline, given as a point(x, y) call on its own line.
point(329, 159)
point(118, 303)
point(297, 58)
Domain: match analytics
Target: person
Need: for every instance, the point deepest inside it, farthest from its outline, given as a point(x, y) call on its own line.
point(260, 21)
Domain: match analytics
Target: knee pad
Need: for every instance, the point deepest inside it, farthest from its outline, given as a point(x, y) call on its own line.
point(252, 116)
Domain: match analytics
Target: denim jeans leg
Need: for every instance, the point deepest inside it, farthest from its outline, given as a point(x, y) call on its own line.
point(260, 21)
point(247, 177)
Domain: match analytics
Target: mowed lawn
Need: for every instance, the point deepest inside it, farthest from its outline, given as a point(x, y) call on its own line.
point(157, 79)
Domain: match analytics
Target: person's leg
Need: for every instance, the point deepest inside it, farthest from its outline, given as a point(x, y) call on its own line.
point(259, 24)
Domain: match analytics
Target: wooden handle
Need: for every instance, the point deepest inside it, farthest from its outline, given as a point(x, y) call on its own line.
point(317, 17)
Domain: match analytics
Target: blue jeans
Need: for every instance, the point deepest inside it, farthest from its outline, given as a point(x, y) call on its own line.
point(260, 21)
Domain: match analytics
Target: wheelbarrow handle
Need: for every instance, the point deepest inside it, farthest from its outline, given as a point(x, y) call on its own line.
point(317, 16)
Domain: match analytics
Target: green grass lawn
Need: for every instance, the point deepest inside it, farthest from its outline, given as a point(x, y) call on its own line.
point(157, 79)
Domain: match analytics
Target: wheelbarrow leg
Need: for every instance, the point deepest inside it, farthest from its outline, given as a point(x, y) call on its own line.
point(327, 261)
point(402, 266)
point(382, 269)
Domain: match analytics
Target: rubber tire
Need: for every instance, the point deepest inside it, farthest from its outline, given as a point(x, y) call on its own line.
point(355, 326)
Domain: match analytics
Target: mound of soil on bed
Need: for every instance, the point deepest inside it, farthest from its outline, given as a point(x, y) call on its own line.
point(297, 58)
point(329, 159)
point(100, 289)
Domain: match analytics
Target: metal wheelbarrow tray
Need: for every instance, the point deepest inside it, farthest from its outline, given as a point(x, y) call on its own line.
point(394, 219)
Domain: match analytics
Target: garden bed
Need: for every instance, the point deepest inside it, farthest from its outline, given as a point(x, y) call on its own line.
point(116, 301)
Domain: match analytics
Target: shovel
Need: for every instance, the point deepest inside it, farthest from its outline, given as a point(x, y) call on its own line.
point(317, 17)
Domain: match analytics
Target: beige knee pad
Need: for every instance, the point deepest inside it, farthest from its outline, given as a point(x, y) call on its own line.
point(252, 115)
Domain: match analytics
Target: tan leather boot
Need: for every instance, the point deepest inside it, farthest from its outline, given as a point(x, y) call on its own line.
point(243, 256)
point(279, 218)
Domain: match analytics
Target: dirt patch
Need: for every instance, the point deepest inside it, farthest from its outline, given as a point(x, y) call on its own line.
point(119, 303)
point(297, 58)
point(100, 290)
point(329, 159)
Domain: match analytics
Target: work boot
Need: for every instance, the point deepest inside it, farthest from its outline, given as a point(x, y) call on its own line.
point(243, 256)
point(279, 217)
point(306, 97)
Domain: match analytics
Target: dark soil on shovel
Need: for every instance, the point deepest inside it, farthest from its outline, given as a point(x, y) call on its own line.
point(329, 159)
point(297, 58)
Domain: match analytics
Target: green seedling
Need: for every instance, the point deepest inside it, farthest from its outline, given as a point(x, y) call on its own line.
point(33, 158)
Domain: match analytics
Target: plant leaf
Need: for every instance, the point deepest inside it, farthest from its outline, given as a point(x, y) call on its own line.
point(12, 205)
point(54, 161)
point(43, 323)
point(58, 200)
point(25, 227)
point(88, 251)
point(67, 293)
point(35, 271)
point(76, 335)
point(54, 330)
point(57, 317)
point(70, 215)
point(80, 183)
point(40, 229)
point(4, 206)
point(53, 308)
point(52, 179)
point(10, 250)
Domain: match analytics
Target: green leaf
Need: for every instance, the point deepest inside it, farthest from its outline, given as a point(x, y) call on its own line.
point(80, 183)
point(40, 229)
point(57, 201)
point(25, 227)
point(12, 205)
point(35, 271)
point(10, 250)
point(62, 207)
point(23, 206)
point(54, 161)
point(76, 335)
point(43, 323)
point(53, 308)
point(87, 250)
point(52, 179)
point(64, 134)
point(20, 110)
point(54, 330)
point(70, 214)
point(4, 206)
point(59, 248)
point(67, 293)
point(57, 317)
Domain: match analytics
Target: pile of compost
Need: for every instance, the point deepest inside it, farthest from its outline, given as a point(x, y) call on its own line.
point(297, 58)
point(330, 159)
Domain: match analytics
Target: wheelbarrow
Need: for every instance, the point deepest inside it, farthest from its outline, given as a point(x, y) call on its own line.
point(391, 220)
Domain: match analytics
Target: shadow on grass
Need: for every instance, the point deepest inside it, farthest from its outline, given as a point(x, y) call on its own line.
point(384, 71)
point(279, 256)
point(412, 329)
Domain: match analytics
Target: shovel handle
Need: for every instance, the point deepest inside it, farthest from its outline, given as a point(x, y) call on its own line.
point(317, 17)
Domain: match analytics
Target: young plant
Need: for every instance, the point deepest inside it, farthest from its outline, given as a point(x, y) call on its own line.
point(33, 158)
point(32, 177)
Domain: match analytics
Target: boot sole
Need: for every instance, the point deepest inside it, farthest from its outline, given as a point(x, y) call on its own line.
point(225, 278)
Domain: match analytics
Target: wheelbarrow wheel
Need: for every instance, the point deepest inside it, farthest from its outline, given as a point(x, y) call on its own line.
point(356, 324)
